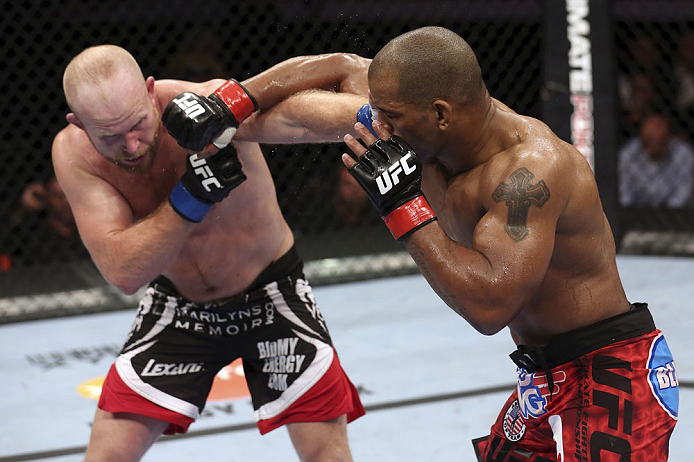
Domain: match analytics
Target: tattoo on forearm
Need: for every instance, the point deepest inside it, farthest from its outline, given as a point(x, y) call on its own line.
point(519, 194)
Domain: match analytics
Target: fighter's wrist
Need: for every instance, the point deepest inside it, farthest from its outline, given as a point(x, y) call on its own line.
point(409, 217)
point(187, 205)
point(235, 101)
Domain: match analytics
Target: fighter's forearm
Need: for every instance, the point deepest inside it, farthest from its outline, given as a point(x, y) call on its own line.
point(463, 278)
point(344, 72)
point(308, 117)
point(134, 256)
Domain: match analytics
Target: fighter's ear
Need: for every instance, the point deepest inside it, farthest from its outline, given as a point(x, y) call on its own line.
point(72, 118)
point(150, 88)
point(443, 112)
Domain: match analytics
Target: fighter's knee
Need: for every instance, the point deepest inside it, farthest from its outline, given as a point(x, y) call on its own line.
point(327, 454)
point(321, 441)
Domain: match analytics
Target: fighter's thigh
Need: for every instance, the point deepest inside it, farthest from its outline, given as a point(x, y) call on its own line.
point(317, 441)
point(122, 437)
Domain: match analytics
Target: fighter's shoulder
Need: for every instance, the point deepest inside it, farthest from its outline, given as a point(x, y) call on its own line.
point(533, 150)
point(542, 147)
point(74, 158)
point(70, 142)
point(540, 159)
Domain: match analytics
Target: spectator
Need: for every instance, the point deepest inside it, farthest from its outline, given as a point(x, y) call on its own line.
point(646, 84)
point(684, 76)
point(47, 197)
point(655, 168)
point(42, 228)
point(639, 99)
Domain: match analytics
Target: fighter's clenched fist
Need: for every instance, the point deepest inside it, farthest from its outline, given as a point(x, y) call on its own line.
point(391, 174)
point(206, 181)
point(195, 121)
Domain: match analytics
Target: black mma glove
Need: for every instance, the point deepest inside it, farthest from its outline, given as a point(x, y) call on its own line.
point(194, 121)
point(391, 174)
point(207, 180)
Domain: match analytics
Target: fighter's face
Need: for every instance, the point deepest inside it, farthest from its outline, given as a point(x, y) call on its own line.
point(124, 127)
point(407, 120)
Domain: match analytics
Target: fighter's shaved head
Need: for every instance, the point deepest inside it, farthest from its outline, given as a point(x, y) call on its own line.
point(428, 64)
point(94, 66)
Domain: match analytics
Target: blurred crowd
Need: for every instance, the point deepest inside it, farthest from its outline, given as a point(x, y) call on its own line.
point(656, 90)
point(655, 161)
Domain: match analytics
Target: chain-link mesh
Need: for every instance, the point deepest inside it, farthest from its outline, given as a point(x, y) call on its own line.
point(45, 269)
point(655, 81)
point(41, 256)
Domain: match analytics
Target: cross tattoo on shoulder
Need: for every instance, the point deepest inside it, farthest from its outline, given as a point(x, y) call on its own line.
point(519, 194)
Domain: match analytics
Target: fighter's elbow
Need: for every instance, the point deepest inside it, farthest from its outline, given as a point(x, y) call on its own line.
point(486, 318)
point(488, 329)
point(484, 324)
point(127, 289)
point(124, 287)
point(122, 281)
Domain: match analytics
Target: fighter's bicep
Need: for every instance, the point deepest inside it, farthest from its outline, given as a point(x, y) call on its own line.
point(97, 207)
point(517, 233)
point(99, 210)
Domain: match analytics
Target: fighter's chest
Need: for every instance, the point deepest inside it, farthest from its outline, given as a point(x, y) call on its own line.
point(146, 197)
point(146, 192)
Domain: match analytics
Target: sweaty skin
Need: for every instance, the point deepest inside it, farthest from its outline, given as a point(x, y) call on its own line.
point(521, 238)
point(561, 275)
point(123, 215)
point(117, 165)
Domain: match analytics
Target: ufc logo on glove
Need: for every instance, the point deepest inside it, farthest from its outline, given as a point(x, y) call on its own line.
point(192, 108)
point(202, 169)
point(398, 198)
point(384, 181)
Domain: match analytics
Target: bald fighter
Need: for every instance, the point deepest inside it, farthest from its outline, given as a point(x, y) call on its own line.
point(505, 222)
point(204, 231)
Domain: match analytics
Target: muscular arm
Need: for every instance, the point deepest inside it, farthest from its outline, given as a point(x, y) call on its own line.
point(340, 72)
point(302, 99)
point(129, 255)
point(309, 117)
point(325, 93)
point(489, 282)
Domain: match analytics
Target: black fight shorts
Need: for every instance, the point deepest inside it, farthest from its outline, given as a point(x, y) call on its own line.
point(176, 347)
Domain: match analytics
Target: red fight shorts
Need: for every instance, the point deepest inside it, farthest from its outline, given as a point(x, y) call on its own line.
point(615, 400)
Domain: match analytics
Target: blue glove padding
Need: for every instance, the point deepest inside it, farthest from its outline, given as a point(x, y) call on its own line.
point(365, 115)
point(206, 181)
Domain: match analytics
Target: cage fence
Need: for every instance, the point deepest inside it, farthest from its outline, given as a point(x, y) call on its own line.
point(45, 270)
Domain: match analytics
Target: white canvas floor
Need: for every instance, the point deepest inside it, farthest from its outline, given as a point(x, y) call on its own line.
point(430, 383)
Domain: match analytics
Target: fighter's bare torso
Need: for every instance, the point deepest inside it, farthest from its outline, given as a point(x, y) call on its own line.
point(238, 237)
point(581, 284)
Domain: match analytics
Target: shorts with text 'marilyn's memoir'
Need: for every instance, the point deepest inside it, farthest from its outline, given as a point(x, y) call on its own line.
point(176, 347)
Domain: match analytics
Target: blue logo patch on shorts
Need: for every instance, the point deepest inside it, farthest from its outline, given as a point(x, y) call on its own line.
point(533, 390)
point(663, 376)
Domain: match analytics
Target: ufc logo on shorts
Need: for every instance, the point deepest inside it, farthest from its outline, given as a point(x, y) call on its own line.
point(191, 108)
point(390, 178)
point(202, 169)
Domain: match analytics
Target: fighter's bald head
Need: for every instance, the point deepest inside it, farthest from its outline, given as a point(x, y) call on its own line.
point(94, 66)
point(428, 64)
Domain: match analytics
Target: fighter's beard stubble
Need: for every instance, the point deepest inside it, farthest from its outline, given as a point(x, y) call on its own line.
point(149, 151)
